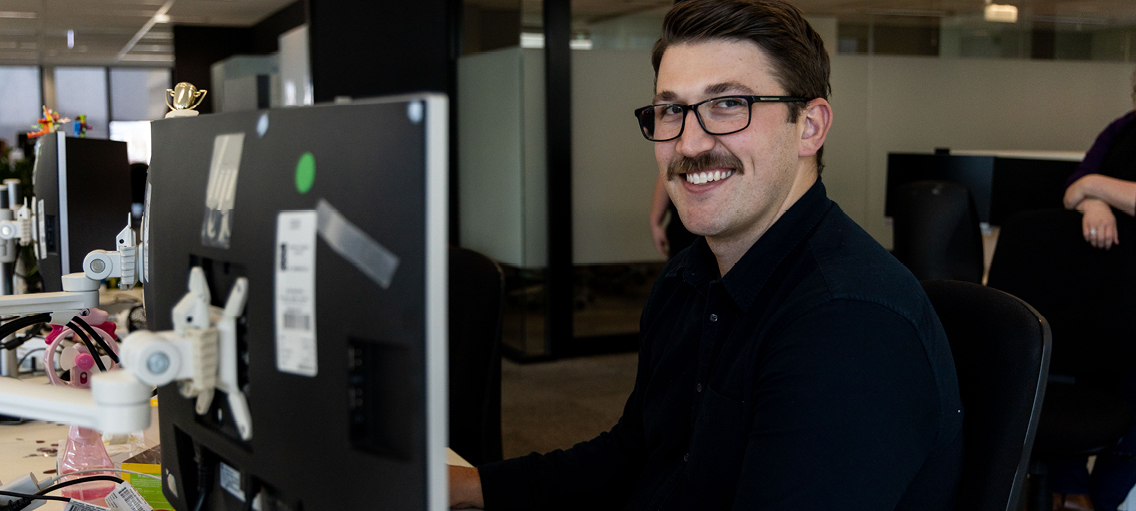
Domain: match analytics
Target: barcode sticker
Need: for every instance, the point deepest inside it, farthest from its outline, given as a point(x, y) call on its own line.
point(126, 498)
point(297, 322)
point(78, 505)
point(295, 305)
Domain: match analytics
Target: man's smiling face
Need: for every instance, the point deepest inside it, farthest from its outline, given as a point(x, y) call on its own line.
point(728, 187)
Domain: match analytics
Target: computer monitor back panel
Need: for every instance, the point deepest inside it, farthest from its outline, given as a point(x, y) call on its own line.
point(84, 184)
point(357, 422)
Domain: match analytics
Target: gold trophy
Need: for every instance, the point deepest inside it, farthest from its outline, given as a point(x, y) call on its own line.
point(186, 97)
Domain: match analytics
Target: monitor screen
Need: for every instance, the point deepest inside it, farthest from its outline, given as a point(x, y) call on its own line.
point(336, 215)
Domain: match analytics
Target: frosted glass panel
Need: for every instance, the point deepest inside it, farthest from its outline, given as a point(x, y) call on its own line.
point(83, 90)
point(138, 94)
point(20, 101)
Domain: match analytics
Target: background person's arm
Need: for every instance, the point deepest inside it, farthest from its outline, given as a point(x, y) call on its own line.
point(659, 204)
point(1117, 193)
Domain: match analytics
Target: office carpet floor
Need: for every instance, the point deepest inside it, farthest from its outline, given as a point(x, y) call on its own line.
point(553, 405)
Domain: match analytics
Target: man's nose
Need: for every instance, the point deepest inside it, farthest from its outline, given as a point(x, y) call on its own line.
point(694, 140)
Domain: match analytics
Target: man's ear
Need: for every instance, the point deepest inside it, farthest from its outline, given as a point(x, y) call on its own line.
point(817, 119)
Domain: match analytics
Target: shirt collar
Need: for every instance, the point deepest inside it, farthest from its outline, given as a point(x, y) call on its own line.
point(698, 266)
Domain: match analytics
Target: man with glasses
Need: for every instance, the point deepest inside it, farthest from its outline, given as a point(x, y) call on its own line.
point(787, 361)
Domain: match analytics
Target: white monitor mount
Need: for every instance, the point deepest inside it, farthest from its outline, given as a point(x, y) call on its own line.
point(199, 353)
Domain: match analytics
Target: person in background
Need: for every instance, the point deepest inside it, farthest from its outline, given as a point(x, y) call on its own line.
point(1104, 183)
point(1106, 180)
point(786, 361)
point(670, 237)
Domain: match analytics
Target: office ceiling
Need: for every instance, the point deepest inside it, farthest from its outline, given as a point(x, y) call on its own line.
point(131, 32)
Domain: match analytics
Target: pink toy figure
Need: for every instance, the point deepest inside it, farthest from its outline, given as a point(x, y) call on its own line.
point(84, 449)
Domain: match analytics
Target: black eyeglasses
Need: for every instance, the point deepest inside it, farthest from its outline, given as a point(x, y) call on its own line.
point(717, 116)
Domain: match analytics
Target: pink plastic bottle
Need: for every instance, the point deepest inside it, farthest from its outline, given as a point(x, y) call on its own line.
point(84, 450)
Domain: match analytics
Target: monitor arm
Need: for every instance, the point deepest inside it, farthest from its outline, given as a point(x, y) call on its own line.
point(199, 353)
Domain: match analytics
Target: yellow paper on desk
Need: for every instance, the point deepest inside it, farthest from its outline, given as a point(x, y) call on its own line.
point(150, 489)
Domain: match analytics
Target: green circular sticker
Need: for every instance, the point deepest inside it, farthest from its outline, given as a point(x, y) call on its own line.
point(305, 172)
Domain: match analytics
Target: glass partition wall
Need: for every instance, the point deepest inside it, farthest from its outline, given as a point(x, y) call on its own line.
point(907, 76)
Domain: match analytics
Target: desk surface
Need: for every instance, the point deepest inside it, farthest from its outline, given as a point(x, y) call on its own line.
point(1026, 155)
point(31, 447)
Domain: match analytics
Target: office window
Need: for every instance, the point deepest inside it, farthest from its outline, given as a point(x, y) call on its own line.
point(83, 91)
point(136, 134)
point(20, 101)
point(138, 94)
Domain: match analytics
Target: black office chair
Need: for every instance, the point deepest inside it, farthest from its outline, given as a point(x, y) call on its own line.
point(476, 301)
point(1001, 349)
point(1087, 296)
point(936, 231)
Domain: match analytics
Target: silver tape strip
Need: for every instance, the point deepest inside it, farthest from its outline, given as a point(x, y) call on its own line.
point(349, 241)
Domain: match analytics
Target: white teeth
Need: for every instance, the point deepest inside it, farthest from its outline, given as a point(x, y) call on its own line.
point(706, 177)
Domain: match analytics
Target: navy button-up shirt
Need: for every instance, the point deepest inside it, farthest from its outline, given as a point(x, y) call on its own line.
point(813, 376)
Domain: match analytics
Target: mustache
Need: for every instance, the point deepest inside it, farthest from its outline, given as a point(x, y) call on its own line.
point(704, 161)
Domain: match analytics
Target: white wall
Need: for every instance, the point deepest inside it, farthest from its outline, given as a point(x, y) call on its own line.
point(489, 124)
point(881, 105)
point(914, 104)
point(613, 166)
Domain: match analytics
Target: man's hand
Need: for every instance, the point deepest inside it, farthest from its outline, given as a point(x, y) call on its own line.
point(1098, 224)
point(465, 488)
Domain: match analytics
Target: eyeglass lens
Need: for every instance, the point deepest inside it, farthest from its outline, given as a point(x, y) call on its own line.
point(719, 116)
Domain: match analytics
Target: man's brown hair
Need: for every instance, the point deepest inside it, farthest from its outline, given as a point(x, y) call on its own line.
point(800, 62)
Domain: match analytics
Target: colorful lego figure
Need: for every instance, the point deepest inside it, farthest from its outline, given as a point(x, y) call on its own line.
point(49, 123)
point(80, 126)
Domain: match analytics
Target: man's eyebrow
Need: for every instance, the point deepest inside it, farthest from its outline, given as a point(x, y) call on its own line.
point(664, 97)
point(719, 88)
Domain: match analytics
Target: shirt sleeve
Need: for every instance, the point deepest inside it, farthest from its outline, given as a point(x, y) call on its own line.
point(1095, 156)
point(596, 474)
point(849, 415)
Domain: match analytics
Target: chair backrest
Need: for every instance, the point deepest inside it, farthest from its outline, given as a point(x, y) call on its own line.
point(1086, 294)
point(1001, 349)
point(936, 231)
point(476, 301)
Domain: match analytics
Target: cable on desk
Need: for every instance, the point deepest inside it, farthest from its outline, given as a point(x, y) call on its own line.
point(33, 333)
point(15, 325)
point(53, 480)
point(98, 338)
point(204, 476)
point(25, 500)
point(80, 480)
point(28, 354)
point(90, 345)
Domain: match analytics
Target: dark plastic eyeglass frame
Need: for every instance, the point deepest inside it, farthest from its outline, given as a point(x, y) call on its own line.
point(750, 100)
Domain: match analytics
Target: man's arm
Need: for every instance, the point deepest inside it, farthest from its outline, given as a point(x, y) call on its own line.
point(849, 416)
point(592, 474)
point(659, 204)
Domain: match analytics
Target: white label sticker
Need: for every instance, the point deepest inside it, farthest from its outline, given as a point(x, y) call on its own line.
point(220, 196)
point(78, 505)
point(296, 292)
point(125, 498)
point(231, 481)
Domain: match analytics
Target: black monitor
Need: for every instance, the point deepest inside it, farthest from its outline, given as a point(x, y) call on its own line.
point(336, 215)
point(974, 172)
point(1002, 184)
point(83, 188)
